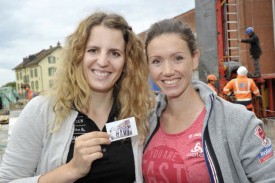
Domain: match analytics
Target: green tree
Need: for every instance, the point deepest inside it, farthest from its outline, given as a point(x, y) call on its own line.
point(12, 84)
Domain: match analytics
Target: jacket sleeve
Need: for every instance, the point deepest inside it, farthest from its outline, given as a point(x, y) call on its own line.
point(256, 153)
point(228, 88)
point(24, 146)
point(252, 39)
point(254, 88)
point(248, 40)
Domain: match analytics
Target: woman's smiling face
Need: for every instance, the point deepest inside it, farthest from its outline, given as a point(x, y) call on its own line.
point(171, 63)
point(104, 58)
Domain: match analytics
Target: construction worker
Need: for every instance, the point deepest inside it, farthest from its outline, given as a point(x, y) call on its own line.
point(242, 88)
point(255, 50)
point(211, 80)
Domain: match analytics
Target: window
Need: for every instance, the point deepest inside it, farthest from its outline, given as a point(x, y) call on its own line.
point(17, 76)
point(31, 73)
point(51, 71)
point(50, 83)
point(35, 72)
point(36, 85)
point(24, 79)
point(20, 75)
point(32, 85)
point(51, 59)
point(27, 79)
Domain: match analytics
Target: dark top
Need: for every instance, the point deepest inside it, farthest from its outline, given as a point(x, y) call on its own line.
point(255, 48)
point(117, 164)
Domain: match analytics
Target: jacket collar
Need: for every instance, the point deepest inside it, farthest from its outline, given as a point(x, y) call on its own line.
point(204, 91)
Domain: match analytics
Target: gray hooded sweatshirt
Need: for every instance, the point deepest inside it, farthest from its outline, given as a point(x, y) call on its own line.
point(235, 147)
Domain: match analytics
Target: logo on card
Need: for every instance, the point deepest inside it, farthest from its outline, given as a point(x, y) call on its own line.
point(261, 134)
point(265, 154)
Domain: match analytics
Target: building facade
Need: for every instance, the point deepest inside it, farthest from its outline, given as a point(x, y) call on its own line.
point(38, 69)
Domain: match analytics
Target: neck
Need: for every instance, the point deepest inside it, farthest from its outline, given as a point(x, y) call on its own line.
point(100, 101)
point(99, 108)
point(181, 112)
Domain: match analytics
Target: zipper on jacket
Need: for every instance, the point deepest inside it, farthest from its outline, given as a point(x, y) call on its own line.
point(211, 160)
point(209, 154)
point(155, 130)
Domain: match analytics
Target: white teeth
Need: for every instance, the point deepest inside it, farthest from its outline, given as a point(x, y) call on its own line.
point(170, 82)
point(99, 73)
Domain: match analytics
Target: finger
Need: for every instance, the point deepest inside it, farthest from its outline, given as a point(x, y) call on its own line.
point(97, 141)
point(86, 151)
point(93, 149)
point(94, 134)
point(94, 156)
point(81, 144)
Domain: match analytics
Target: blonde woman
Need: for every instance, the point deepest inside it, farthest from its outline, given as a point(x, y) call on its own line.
point(62, 137)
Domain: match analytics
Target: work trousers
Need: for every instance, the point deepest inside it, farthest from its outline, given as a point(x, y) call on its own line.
point(257, 67)
point(247, 104)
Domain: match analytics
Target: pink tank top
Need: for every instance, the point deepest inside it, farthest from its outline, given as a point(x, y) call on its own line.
point(176, 158)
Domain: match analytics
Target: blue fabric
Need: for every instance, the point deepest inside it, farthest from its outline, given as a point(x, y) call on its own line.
point(153, 85)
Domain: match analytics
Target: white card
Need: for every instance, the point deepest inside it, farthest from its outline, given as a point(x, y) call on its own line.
point(122, 129)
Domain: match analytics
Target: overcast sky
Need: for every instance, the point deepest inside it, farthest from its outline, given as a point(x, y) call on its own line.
point(28, 26)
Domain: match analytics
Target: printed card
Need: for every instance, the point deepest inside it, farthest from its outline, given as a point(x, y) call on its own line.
point(122, 129)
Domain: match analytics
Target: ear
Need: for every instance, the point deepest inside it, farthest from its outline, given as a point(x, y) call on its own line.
point(196, 59)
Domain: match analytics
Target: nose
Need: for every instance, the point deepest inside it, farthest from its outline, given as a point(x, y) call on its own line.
point(168, 69)
point(102, 60)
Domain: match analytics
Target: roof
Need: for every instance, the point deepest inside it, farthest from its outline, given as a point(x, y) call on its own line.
point(188, 17)
point(34, 59)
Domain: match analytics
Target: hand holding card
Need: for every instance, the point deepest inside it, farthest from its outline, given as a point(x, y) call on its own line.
point(122, 129)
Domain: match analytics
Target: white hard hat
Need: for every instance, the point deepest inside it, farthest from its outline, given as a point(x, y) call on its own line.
point(242, 71)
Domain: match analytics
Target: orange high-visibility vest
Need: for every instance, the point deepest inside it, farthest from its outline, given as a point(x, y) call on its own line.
point(242, 88)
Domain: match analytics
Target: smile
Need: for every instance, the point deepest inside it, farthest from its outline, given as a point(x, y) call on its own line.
point(101, 73)
point(170, 82)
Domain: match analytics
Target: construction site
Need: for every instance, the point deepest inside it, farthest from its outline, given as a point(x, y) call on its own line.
point(218, 25)
point(231, 18)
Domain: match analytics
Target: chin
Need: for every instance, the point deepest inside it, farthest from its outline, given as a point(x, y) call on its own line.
point(101, 89)
point(172, 94)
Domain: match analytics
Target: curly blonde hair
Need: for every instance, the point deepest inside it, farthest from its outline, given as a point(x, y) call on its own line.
point(131, 91)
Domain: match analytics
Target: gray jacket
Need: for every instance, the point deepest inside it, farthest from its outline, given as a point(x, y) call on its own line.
point(33, 151)
point(232, 148)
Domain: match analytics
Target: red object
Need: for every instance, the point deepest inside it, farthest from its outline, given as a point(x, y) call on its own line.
point(267, 82)
point(220, 42)
point(29, 94)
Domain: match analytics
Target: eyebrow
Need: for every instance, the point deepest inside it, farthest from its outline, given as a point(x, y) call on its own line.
point(117, 49)
point(110, 49)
